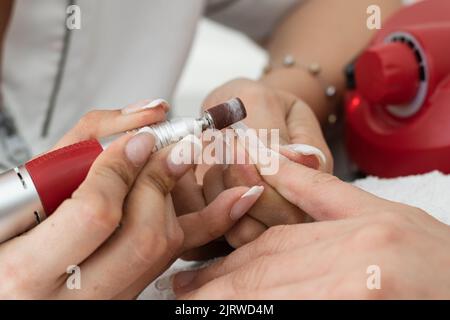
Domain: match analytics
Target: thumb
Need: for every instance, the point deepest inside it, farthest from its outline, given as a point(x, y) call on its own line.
point(115, 170)
point(306, 137)
point(94, 211)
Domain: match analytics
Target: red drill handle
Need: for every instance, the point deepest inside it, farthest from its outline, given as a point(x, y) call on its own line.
point(57, 174)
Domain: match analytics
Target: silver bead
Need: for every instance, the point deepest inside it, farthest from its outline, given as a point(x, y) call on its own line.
point(332, 118)
point(314, 68)
point(330, 91)
point(288, 61)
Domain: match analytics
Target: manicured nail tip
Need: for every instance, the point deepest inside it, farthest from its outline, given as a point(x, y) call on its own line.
point(145, 105)
point(183, 279)
point(164, 283)
point(255, 190)
point(246, 201)
point(158, 102)
point(138, 148)
point(308, 150)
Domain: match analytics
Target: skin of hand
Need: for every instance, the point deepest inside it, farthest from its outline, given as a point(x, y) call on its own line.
point(267, 108)
point(359, 237)
point(119, 227)
point(330, 33)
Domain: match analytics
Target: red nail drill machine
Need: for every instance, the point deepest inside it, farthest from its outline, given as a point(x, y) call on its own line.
point(398, 103)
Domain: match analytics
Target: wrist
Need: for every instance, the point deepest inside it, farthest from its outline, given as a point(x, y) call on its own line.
point(306, 84)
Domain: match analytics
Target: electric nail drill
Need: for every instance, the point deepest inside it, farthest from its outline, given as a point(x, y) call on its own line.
point(32, 192)
point(398, 102)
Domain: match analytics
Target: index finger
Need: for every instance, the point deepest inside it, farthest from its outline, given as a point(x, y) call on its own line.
point(102, 123)
point(322, 195)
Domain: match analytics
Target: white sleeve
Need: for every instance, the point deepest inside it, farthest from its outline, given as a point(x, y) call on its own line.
point(256, 18)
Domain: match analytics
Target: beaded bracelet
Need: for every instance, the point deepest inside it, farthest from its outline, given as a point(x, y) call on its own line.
point(314, 69)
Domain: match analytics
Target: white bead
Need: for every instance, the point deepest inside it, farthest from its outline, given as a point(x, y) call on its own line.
point(288, 61)
point(330, 91)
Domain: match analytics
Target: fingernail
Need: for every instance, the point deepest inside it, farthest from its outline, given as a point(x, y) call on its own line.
point(164, 283)
point(246, 201)
point(183, 279)
point(139, 147)
point(308, 150)
point(184, 154)
point(145, 105)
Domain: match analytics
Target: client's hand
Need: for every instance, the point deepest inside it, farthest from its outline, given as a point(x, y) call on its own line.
point(118, 231)
point(267, 108)
point(381, 250)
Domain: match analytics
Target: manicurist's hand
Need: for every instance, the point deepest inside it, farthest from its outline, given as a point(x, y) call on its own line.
point(118, 231)
point(267, 108)
point(364, 247)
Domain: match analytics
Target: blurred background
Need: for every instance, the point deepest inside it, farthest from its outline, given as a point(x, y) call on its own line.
point(214, 60)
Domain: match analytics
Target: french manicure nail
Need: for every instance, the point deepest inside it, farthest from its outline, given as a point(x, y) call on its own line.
point(308, 150)
point(145, 105)
point(183, 279)
point(246, 201)
point(139, 147)
point(184, 154)
point(164, 283)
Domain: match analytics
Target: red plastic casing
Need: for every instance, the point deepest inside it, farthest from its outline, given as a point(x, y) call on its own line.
point(57, 174)
point(379, 142)
point(387, 74)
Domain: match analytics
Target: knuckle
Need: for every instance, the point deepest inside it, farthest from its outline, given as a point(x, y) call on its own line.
point(147, 245)
point(97, 210)
point(239, 236)
point(214, 231)
point(114, 170)
point(392, 218)
point(175, 238)
point(377, 234)
point(160, 247)
point(317, 182)
point(157, 181)
point(150, 245)
point(89, 122)
point(320, 180)
point(92, 116)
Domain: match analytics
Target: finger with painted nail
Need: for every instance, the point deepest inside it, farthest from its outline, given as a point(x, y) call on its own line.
point(305, 154)
point(218, 217)
point(145, 104)
point(99, 124)
point(197, 228)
